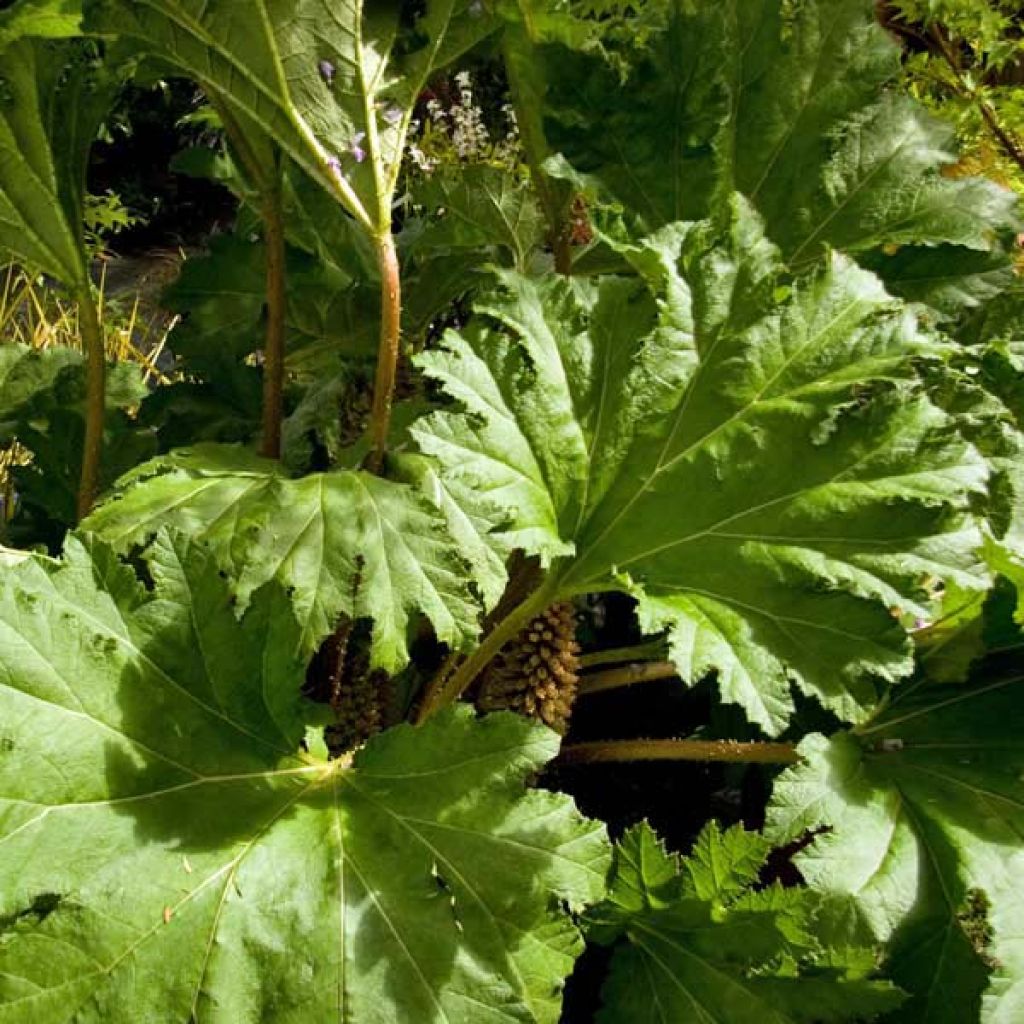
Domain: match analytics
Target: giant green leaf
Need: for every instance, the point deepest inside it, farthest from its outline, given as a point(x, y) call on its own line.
point(36, 222)
point(785, 103)
point(342, 543)
point(752, 457)
point(171, 853)
point(326, 83)
point(923, 820)
point(701, 944)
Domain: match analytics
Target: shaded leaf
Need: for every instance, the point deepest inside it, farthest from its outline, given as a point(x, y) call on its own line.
point(479, 208)
point(42, 405)
point(53, 98)
point(222, 296)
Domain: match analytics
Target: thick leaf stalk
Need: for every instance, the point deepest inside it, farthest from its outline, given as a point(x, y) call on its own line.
point(95, 399)
point(528, 105)
point(387, 356)
point(628, 675)
point(727, 751)
point(274, 348)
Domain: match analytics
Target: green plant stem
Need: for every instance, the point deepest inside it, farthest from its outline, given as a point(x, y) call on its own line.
point(95, 398)
point(679, 750)
point(274, 345)
point(517, 39)
point(387, 355)
point(652, 651)
point(265, 177)
point(448, 687)
point(627, 675)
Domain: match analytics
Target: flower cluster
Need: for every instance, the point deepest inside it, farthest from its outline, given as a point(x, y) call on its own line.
point(457, 133)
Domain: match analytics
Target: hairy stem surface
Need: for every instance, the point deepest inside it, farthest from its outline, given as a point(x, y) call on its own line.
point(679, 750)
point(95, 398)
point(627, 675)
point(654, 650)
point(387, 355)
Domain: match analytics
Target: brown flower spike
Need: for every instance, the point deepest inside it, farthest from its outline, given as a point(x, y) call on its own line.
point(537, 673)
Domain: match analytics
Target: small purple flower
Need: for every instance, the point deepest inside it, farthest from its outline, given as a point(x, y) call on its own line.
point(327, 72)
point(334, 164)
point(357, 151)
point(393, 115)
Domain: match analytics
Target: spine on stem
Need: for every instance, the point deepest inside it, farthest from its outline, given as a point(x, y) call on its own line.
point(387, 356)
point(679, 750)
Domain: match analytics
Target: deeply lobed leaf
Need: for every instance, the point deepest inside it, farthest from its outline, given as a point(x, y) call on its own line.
point(923, 822)
point(702, 944)
point(786, 104)
point(169, 851)
point(342, 543)
point(752, 457)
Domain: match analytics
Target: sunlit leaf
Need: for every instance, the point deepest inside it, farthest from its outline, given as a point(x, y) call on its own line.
point(171, 853)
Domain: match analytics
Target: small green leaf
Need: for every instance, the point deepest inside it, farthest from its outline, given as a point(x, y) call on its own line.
point(702, 944)
point(479, 208)
point(26, 374)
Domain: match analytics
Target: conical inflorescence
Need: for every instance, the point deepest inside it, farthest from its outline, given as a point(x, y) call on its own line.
point(537, 673)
